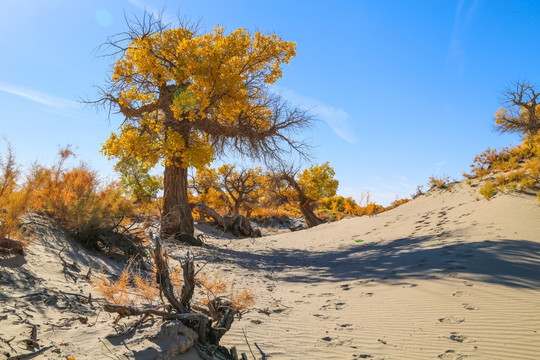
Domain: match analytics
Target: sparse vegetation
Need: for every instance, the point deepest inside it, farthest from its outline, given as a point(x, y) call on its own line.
point(440, 182)
point(75, 196)
point(488, 190)
point(15, 200)
point(513, 169)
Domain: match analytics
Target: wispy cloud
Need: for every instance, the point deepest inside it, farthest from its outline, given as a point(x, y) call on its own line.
point(338, 119)
point(166, 17)
point(435, 169)
point(463, 17)
point(38, 96)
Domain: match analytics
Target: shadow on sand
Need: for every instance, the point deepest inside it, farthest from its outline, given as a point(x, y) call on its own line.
point(507, 262)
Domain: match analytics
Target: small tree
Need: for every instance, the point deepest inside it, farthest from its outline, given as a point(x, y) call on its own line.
point(242, 186)
point(305, 189)
point(205, 184)
point(187, 97)
point(15, 200)
point(522, 114)
point(138, 182)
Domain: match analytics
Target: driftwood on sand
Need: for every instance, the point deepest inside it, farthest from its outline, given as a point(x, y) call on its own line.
point(209, 330)
point(237, 224)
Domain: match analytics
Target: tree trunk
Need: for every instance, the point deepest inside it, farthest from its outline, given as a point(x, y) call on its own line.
point(307, 211)
point(177, 220)
point(304, 203)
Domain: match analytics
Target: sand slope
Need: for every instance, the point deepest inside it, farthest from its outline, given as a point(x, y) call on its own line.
point(443, 276)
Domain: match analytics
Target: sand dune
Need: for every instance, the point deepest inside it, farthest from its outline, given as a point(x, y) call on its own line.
point(443, 276)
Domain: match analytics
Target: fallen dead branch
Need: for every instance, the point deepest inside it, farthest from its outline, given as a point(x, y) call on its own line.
point(237, 224)
point(30, 355)
point(210, 325)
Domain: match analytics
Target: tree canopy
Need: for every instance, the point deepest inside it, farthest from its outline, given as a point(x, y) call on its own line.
point(188, 97)
point(522, 114)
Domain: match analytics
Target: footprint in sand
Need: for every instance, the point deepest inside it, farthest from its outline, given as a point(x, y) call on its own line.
point(459, 337)
point(468, 283)
point(451, 355)
point(362, 356)
point(451, 320)
point(458, 294)
point(345, 287)
point(410, 285)
point(369, 294)
point(470, 306)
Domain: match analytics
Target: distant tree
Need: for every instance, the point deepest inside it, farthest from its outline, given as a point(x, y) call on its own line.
point(242, 186)
point(522, 112)
point(138, 182)
point(187, 97)
point(205, 184)
point(305, 189)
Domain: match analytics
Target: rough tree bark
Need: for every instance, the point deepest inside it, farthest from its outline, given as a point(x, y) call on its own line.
point(306, 207)
point(304, 202)
point(177, 221)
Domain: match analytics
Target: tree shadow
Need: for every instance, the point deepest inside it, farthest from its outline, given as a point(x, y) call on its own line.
point(507, 262)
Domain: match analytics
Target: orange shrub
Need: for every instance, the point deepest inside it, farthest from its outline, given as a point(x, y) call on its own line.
point(75, 196)
point(15, 200)
point(438, 182)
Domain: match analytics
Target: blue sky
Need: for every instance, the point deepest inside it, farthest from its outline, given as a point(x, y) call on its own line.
point(404, 90)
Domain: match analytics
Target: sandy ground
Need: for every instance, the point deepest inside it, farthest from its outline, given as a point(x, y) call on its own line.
point(444, 276)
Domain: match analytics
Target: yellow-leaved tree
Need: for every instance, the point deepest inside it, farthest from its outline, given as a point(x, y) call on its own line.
point(522, 112)
point(188, 97)
point(306, 188)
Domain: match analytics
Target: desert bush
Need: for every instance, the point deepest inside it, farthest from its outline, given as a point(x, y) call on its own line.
point(15, 200)
point(527, 183)
point(133, 288)
point(397, 202)
point(520, 166)
point(76, 197)
point(217, 287)
point(418, 192)
point(115, 292)
point(438, 182)
point(532, 167)
point(488, 190)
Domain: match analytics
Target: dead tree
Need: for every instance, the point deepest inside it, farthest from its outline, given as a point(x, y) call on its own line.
point(241, 185)
point(210, 331)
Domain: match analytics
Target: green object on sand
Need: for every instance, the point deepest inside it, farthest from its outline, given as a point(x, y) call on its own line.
point(359, 241)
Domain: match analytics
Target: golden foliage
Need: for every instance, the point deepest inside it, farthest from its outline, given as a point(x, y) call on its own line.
point(488, 190)
point(318, 181)
point(242, 301)
point(218, 287)
point(217, 75)
point(132, 288)
point(518, 167)
point(75, 196)
point(438, 182)
point(115, 292)
point(15, 198)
